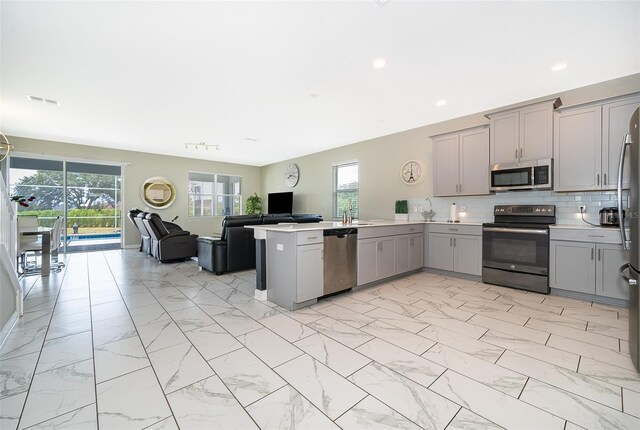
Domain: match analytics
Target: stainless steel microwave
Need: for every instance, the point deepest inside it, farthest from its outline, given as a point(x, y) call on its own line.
point(527, 175)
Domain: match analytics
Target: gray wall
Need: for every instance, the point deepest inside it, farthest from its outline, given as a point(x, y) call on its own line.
point(380, 159)
point(143, 165)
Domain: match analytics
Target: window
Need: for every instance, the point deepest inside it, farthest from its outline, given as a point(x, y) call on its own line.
point(214, 195)
point(345, 189)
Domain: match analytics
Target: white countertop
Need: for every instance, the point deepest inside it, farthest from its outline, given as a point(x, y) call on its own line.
point(584, 227)
point(324, 225)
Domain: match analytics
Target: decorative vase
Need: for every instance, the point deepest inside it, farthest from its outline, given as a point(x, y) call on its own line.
point(402, 217)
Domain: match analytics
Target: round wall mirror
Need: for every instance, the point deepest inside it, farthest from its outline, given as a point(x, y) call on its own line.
point(158, 192)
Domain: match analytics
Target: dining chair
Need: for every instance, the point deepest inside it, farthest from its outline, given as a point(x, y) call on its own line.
point(56, 243)
point(29, 245)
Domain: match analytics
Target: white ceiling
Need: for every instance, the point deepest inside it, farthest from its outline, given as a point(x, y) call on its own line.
point(150, 76)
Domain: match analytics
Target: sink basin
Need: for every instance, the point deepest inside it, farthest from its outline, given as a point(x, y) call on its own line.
point(428, 215)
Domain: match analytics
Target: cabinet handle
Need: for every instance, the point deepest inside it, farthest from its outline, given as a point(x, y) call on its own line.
point(598, 254)
point(312, 237)
point(516, 153)
point(598, 179)
point(604, 180)
point(595, 235)
point(592, 253)
point(521, 152)
point(450, 241)
point(454, 242)
point(411, 241)
point(452, 229)
point(460, 187)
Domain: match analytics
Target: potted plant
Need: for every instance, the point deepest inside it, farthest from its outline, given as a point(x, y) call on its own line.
point(254, 205)
point(402, 210)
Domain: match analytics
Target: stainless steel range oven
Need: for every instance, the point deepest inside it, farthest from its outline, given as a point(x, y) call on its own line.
point(515, 248)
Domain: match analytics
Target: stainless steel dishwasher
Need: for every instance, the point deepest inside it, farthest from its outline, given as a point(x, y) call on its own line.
point(340, 262)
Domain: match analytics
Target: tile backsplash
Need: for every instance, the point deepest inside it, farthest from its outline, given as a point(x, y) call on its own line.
point(480, 208)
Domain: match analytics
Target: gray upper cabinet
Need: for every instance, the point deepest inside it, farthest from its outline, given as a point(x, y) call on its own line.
point(577, 149)
point(461, 162)
point(522, 134)
point(446, 165)
point(587, 144)
point(615, 126)
point(505, 138)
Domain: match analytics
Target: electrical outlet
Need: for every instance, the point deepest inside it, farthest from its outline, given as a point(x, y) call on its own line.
point(463, 208)
point(582, 208)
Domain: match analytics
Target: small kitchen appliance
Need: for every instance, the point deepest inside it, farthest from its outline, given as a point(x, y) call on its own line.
point(609, 217)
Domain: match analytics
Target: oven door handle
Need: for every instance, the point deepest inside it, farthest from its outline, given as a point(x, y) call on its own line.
point(516, 230)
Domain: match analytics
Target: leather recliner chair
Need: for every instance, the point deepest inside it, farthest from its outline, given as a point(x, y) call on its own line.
point(236, 248)
point(132, 214)
point(169, 245)
point(145, 244)
point(136, 216)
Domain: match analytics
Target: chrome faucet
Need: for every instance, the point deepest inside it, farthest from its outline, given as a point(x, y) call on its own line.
point(428, 215)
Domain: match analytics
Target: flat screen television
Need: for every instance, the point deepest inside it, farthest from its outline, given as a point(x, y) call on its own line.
point(280, 203)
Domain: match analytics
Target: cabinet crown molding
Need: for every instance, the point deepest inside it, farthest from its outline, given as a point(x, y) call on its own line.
point(481, 126)
point(600, 101)
point(555, 100)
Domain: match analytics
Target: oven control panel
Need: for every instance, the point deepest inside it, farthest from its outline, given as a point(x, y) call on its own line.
point(525, 210)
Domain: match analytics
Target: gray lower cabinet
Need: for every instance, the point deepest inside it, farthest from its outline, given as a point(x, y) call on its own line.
point(409, 249)
point(294, 267)
point(309, 272)
point(456, 253)
point(588, 267)
point(376, 259)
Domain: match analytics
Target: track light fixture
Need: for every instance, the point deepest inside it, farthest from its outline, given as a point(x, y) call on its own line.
point(201, 145)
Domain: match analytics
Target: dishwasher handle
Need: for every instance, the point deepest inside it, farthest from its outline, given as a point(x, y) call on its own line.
point(340, 233)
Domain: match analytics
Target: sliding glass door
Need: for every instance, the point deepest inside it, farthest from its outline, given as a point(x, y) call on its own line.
point(88, 196)
point(94, 216)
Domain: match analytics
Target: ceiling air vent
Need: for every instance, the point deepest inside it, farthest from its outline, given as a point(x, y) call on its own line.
point(43, 100)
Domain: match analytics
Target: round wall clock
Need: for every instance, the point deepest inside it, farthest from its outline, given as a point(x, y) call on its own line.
point(291, 175)
point(412, 172)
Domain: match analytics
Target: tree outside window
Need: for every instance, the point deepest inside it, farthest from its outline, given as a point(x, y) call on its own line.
point(345, 189)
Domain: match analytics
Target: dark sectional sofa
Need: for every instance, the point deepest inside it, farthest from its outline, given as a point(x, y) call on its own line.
point(236, 248)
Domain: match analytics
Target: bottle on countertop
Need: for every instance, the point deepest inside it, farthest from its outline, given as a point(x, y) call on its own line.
point(344, 217)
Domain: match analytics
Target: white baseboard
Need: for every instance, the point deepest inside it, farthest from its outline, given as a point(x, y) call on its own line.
point(260, 295)
point(4, 333)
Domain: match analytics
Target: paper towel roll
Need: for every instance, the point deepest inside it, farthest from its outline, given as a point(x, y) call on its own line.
point(453, 212)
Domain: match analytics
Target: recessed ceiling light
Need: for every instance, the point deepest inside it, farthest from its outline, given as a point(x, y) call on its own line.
point(313, 95)
point(441, 102)
point(250, 139)
point(42, 100)
point(559, 66)
point(379, 63)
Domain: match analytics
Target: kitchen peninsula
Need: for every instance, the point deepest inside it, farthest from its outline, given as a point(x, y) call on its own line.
point(295, 256)
point(295, 260)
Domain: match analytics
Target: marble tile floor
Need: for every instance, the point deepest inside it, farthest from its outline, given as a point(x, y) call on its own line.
point(119, 341)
